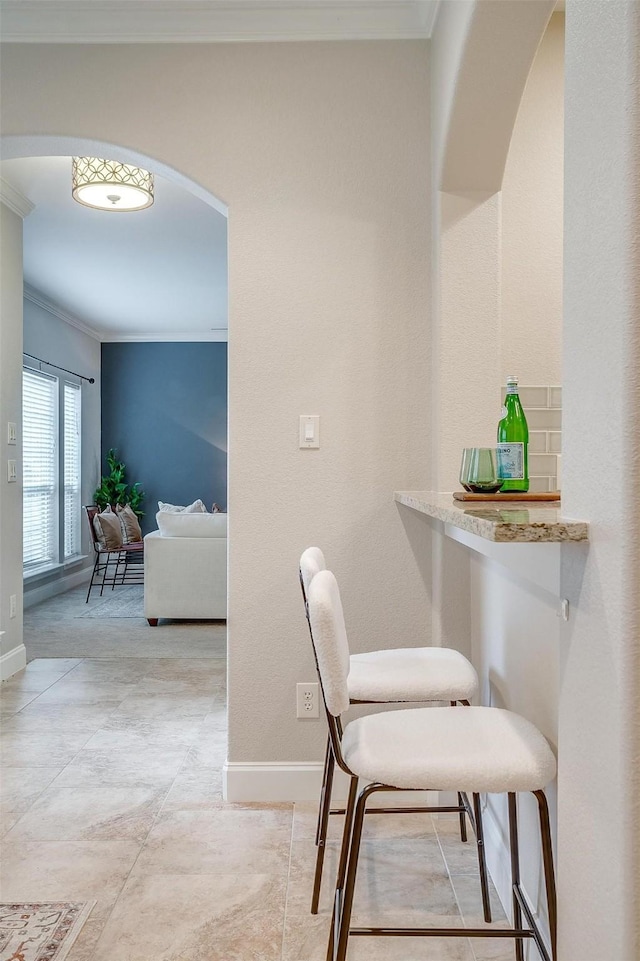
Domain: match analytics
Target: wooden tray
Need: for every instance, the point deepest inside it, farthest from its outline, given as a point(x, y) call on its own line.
point(507, 496)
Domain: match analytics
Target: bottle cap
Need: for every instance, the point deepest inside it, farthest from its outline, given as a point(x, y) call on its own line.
point(512, 380)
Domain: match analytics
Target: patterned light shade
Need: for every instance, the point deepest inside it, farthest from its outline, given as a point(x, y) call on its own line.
point(110, 185)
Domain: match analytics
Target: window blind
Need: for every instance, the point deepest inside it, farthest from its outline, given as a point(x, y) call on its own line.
point(40, 469)
point(72, 506)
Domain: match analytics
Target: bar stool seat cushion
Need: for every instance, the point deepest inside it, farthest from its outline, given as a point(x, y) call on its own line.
point(411, 674)
point(471, 749)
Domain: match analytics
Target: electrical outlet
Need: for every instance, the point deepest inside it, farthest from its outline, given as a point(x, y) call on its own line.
point(307, 700)
point(13, 605)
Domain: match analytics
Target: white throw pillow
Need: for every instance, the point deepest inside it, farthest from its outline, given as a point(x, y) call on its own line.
point(183, 524)
point(196, 508)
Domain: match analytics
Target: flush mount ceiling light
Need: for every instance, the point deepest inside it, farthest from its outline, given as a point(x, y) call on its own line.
point(110, 185)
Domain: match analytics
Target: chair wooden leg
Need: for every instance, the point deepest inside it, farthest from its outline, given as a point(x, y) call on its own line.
point(332, 946)
point(549, 876)
point(515, 871)
point(323, 824)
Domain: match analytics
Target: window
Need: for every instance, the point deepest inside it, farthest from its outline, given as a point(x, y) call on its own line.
point(51, 454)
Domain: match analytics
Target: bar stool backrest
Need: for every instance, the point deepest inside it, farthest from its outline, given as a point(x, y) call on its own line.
point(329, 636)
point(311, 562)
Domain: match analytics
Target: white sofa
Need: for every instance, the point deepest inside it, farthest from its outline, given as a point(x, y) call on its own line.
point(185, 567)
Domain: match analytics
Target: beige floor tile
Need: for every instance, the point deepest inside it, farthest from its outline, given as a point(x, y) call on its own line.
point(305, 939)
point(80, 813)
point(67, 871)
point(125, 734)
point(194, 790)
point(85, 944)
point(70, 716)
point(12, 700)
point(375, 826)
point(393, 876)
point(51, 748)
point(222, 840)
point(27, 680)
point(469, 897)
point(165, 706)
point(128, 669)
point(173, 917)
point(83, 690)
point(461, 857)
point(51, 665)
point(20, 787)
point(154, 765)
point(7, 820)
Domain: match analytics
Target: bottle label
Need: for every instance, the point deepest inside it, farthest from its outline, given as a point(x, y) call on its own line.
point(512, 388)
point(510, 461)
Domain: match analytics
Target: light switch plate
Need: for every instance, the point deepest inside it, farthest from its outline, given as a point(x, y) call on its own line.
point(11, 472)
point(12, 433)
point(309, 430)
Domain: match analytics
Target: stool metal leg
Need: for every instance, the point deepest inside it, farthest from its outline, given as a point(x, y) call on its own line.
point(482, 861)
point(334, 933)
point(356, 834)
point(323, 824)
point(549, 877)
point(515, 871)
point(323, 792)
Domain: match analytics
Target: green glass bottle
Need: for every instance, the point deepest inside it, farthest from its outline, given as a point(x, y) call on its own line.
point(513, 442)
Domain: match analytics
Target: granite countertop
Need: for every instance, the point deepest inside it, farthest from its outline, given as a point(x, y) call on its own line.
point(502, 521)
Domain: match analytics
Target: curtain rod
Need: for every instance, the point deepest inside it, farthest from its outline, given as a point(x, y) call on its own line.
point(90, 380)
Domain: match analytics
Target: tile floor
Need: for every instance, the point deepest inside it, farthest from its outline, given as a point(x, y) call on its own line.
point(111, 790)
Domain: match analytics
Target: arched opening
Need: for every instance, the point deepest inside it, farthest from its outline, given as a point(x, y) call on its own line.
point(141, 371)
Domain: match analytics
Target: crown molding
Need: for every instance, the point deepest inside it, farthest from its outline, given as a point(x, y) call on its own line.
point(204, 337)
point(33, 295)
point(209, 21)
point(14, 200)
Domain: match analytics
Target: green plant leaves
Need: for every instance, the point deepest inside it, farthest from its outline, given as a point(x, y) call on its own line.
point(113, 488)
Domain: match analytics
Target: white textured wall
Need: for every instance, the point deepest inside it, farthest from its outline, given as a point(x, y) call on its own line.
point(10, 410)
point(599, 881)
point(531, 280)
point(50, 338)
point(321, 153)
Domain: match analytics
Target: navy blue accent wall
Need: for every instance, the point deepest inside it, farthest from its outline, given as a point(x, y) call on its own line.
point(164, 409)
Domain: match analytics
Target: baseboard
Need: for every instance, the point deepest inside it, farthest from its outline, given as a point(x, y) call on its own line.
point(58, 585)
point(12, 662)
point(301, 781)
point(271, 781)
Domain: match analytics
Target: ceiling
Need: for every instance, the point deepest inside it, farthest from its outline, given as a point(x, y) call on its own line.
point(159, 273)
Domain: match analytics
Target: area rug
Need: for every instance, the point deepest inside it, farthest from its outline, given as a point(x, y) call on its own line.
point(119, 602)
point(41, 932)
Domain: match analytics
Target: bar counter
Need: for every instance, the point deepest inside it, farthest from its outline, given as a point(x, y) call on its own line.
point(509, 522)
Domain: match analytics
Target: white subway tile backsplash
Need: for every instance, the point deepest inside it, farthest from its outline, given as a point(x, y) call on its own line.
point(538, 485)
point(538, 442)
point(534, 396)
point(541, 419)
point(555, 441)
point(555, 397)
point(543, 464)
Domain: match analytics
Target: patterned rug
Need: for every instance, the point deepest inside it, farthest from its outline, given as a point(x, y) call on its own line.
point(41, 932)
point(119, 602)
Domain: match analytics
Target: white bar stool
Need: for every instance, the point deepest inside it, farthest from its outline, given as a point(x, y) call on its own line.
point(394, 676)
point(474, 750)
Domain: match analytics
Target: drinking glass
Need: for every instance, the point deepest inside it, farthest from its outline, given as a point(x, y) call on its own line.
point(465, 467)
point(482, 476)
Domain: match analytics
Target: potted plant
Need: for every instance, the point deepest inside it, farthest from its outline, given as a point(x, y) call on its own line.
point(113, 488)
